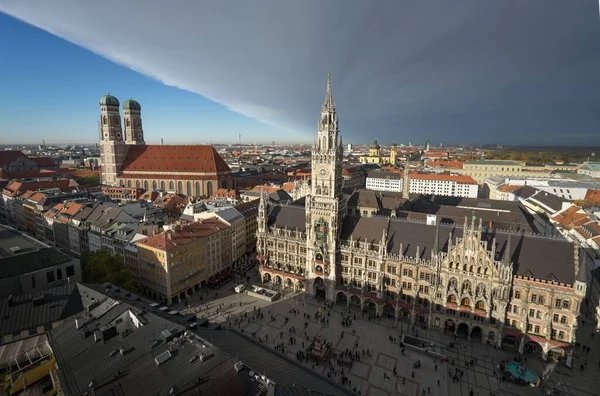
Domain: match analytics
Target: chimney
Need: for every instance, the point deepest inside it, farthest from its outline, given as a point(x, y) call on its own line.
point(161, 141)
point(169, 236)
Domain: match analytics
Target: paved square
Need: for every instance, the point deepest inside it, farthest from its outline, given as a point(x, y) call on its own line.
point(366, 375)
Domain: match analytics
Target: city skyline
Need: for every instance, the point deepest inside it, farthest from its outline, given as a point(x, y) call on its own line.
point(492, 73)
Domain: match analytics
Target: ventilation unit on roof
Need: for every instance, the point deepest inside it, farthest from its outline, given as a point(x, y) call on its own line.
point(162, 358)
point(15, 249)
point(239, 366)
point(205, 356)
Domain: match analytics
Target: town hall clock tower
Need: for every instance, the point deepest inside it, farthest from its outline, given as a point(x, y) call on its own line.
point(325, 205)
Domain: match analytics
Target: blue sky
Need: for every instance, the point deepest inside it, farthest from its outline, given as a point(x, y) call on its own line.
point(50, 90)
point(456, 72)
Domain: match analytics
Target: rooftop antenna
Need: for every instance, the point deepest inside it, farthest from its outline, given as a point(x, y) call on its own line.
point(161, 141)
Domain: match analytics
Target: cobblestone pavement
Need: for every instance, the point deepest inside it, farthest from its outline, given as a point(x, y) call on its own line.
point(367, 376)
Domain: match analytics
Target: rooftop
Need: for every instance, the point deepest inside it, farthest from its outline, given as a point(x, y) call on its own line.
point(494, 162)
point(141, 354)
point(185, 234)
point(30, 311)
point(174, 158)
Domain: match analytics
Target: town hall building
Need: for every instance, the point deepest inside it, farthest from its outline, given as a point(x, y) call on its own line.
point(500, 286)
point(127, 161)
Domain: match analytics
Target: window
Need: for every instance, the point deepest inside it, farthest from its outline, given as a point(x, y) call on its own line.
point(371, 263)
point(50, 276)
point(541, 300)
point(59, 274)
point(566, 304)
point(555, 318)
point(563, 320)
point(534, 298)
point(517, 294)
point(536, 330)
point(532, 313)
point(33, 282)
point(561, 335)
point(538, 314)
point(558, 303)
point(529, 327)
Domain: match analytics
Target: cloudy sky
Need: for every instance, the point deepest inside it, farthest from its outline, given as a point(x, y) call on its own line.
point(507, 72)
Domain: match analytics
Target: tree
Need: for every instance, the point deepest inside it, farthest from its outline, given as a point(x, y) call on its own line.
point(88, 180)
point(101, 266)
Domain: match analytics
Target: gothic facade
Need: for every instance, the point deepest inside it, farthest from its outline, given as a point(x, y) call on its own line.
point(502, 287)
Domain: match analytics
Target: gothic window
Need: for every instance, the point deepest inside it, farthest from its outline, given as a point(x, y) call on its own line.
point(104, 120)
point(471, 269)
point(128, 183)
point(189, 189)
point(127, 122)
point(480, 305)
point(180, 187)
point(162, 184)
point(452, 299)
point(466, 302)
point(146, 185)
point(479, 270)
point(209, 188)
point(325, 190)
point(137, 184)
point(154, 186)
point(197, 188)
point(465, 267)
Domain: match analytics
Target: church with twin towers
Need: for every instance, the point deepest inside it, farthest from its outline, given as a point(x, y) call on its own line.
point(501, 287)
point(127, 161)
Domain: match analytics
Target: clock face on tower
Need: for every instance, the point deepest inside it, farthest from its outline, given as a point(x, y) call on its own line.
point(323, 172)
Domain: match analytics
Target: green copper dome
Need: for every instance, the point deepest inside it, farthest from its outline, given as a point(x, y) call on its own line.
point(131, 104)
point(109, 100)
point(375, 145)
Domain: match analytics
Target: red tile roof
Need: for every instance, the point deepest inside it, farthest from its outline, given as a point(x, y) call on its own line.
point(173, 158)
point(16, 188)
point(224, 193)
point(44, 162)
point(27, 174)
point(570, 217)
point(445, 164)
point(185, 234)
point(508, 188)
point(265, 188)
point(593, 196)
point(288, 187)
point(8, 156)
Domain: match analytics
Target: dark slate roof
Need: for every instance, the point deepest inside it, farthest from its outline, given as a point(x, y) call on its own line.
point(82, 361)
point(364, 198)
point(291, 216)
point(532, 255)
point(30, 262)
point(596, 275)
point(280, 196)
point(502, 214)
point(278, 368)
point(525, 192)
point(51, 305)
point(550, 200)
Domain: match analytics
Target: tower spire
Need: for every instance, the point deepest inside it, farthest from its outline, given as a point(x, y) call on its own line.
point(328, 99)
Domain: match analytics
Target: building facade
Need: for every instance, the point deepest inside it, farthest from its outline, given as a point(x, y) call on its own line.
point(127, 161)
point(424, 183)
point(177, 262)
point(462, 279)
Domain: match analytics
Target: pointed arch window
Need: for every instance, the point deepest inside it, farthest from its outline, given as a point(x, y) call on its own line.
point(127, 122)
point(189, 189)
point(179, 187)
point(146, 185)
point(162, 184)
point(154, 186)
point(209, 189)
point(197, 188)
point(104, 120)
point(137, 184)
point(128, 183)
point(171, 186)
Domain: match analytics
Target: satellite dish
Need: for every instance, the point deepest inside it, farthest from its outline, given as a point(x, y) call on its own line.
point(251, 373)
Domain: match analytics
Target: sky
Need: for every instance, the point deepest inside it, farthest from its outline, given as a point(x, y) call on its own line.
point(461, 72)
